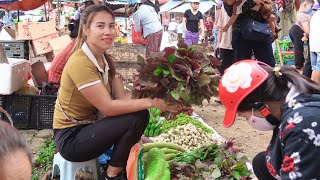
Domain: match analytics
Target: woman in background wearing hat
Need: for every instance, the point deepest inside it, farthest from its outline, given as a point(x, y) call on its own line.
point(191, 19)
point(279, 100)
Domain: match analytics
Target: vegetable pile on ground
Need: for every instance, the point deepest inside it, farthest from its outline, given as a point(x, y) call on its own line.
point(187, 132)
point(210, 162)
point(187, 136)
point(181, 76)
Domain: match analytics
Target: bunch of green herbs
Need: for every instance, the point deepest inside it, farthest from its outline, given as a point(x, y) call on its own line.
point(183, 119)
point(210, 162)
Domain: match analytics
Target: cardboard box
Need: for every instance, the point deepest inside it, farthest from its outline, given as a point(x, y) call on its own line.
point(22, 31)
point(60, 43)
point(41, 33)
point(42, 45)
point(7, 34)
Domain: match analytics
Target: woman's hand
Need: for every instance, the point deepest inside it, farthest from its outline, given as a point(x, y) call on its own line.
point(160, 104)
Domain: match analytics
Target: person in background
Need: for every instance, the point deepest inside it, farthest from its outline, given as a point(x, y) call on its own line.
point(173, 27)
point(208, 25)
point(243, 48)
point(15, 155)
point(314, 40)
point(224, 46)
point(89, 84)
point(215, 27)
point(192, 18)
point(300, 31)
point(117, 26)
point(180, 29)
point(165, 23)
point(281, 100)
point(77, 15)
point(316, 5)
point(148, 18)
point(264, 7)
point(59, 61)
point(7, 18)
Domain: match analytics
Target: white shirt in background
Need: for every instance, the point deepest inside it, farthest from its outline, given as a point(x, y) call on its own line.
point(226, 36)
point(172, 26)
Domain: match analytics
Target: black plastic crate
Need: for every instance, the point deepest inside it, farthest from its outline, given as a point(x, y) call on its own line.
point(2, 99)
point(16, 49)
point(19, 108)
point(42, 111)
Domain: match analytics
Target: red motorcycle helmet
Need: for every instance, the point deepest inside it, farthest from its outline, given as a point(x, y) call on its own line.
point(238, 81)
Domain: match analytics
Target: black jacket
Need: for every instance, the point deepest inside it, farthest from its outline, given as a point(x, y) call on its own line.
point(294, 151)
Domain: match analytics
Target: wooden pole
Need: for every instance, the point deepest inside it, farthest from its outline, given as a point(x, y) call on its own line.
point(45, 12)
point(279, 52)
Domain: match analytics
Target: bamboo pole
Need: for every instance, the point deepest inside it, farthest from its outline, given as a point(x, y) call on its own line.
point(279, 52)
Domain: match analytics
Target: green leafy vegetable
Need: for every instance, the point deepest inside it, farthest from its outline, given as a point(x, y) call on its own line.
point(183, 76)
point(210, 162)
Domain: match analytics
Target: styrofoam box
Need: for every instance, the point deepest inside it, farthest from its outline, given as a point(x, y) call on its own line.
point(13, 75)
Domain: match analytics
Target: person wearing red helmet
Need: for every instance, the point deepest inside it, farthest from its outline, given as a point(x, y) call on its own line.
point(280, 100)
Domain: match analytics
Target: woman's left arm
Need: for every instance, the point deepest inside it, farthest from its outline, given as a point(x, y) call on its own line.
point(118, 90)
point(306, 27)
point(202, 27)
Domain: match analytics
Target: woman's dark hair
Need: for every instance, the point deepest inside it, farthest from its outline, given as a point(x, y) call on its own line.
point(276, 88)
point(11, 140)
point(85, 20)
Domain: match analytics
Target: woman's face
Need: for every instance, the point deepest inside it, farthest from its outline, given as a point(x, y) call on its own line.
point(101, 31)
point(306, 5)
point(195, 5)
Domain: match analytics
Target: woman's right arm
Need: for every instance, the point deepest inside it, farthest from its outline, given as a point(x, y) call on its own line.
point(99, 97)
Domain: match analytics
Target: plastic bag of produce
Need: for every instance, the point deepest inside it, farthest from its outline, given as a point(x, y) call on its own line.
point(135, 164)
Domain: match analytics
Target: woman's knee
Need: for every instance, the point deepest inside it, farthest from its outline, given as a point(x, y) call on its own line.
point(142, 117)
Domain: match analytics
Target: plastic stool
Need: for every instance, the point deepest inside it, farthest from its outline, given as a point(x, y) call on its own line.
point(68, 169)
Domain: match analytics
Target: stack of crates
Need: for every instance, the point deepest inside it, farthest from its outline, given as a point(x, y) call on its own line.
point(16, 49)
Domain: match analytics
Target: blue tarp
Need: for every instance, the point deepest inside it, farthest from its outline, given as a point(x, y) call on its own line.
point(204, 7)
point(7, 1)
point(170, 5)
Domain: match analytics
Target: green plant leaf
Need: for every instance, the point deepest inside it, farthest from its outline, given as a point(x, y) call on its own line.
point(236, 175)
point(216, 173)
point(171, 57)
point(175, 94)
point(166, 71)
point(158, 71)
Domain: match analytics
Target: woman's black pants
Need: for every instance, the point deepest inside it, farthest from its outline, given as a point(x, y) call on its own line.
point(296, 34)
point(85, 142)
point(260, 167)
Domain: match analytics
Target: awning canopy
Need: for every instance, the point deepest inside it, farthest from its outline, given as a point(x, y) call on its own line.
point(23, 5)
point(170, 5)
point(204, 7)
point(7, 1)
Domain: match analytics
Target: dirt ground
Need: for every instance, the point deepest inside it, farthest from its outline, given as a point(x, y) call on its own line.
point(245, 138)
